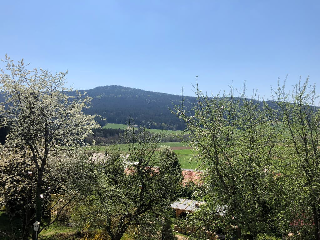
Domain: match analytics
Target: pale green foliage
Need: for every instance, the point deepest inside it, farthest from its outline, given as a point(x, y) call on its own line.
point(235, 139)
point(42, 118)
point(263, 163)
point(301, 156)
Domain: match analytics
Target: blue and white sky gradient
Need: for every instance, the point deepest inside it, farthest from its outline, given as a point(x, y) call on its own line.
point(161, 45)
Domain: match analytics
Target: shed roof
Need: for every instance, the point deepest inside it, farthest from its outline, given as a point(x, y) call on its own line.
point(186, 204)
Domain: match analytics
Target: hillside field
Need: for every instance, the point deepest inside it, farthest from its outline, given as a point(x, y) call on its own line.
point(186, 155)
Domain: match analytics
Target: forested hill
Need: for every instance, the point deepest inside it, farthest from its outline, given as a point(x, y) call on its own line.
point(151, 109)
point(119, 104)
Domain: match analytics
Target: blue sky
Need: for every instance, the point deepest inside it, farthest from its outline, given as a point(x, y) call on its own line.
point(161, 45)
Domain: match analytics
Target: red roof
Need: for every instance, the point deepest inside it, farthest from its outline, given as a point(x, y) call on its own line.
point(191, 176)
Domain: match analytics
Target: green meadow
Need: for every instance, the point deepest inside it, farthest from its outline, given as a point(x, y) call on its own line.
point(187, 159)
point(186, 156)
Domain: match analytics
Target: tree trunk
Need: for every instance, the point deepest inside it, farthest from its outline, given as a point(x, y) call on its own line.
point(26, 225)
point(118, 236)
point(236, 234)
point(38, 203)
point(166, 231)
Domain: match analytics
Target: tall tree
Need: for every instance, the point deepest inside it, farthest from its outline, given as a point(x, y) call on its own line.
point(235, 140)
point(133, 190)
point(299, 118)
point(42, 118)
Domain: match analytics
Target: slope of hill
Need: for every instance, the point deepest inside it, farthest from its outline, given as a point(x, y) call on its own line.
point(122, 104)
point(117, 104)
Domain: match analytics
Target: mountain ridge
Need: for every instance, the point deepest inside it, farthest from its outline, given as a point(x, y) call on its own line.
point(126, 105)
point(120, 104)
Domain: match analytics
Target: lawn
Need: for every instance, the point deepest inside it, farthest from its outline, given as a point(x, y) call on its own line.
point(187, 159)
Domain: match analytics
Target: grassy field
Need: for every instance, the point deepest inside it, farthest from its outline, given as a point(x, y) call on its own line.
point(187, 158)
point(173, 144)
point(185, 155)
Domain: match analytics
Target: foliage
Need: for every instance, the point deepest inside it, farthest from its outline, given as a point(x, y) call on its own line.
point(3, 133)
point(299, 122)
point(42, 120)
point(9, 228)
point(104, 136)
point(129, 191)
point(187, 157)
point(112, 133)
point(235, 140)
point(262, 163)
point(115, 126)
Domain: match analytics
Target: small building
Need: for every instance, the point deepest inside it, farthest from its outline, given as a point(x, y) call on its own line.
point(184, 206)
